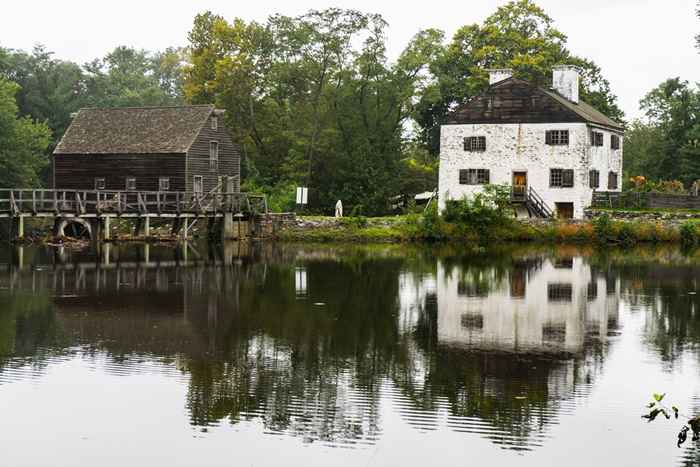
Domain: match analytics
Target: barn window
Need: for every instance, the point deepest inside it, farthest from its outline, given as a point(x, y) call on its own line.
point(100, 183)
point(612, 181)
point(594, 179)
point(559, 292)
point(214, 155)
point(596, 138)
point(561, 178)
point(592, 291)
point(215, 123)
point(614, 142)
point(474, 176)
point(198, 184)
point(164, 184)
point(475, 143)
point(557, 137)
point(131, 183)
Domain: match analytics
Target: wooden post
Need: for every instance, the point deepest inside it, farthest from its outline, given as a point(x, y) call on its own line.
point(146, 226)
point(20, 228)
point(105, 228)
point(227, 227)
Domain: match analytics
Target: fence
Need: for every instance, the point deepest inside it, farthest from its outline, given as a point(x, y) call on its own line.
point(648, 200)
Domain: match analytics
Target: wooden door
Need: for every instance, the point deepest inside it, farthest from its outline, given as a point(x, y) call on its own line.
point(519, 185)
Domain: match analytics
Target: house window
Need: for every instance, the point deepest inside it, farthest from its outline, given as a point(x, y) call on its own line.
point(164, 184)
point(472, 321)
point(594, 178)
point(596, 138)
point(614, 142)
point(100, 183)
point(612, 181)
point(592, 292)
point(557, 137)
point(559, 292)
point(131, 184)
point(561, 178)
point(215, 123)
point(475, 143)
point(214, 155)
point(474, 176)
point(198, 184)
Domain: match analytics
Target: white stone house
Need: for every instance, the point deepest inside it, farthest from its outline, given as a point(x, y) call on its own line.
point(551, 147)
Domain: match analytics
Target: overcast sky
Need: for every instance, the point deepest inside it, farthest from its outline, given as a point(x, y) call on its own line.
point(637, 43)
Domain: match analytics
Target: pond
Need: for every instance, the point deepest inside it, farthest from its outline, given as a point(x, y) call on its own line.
point(264, 355)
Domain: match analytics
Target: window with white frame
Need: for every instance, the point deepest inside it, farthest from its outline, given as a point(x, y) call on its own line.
point(596, 138)
point(163, 184)
point(557, 137)
point(474, 177)
point(198, 184)
point(131, 183)
point(100, 183)
point(612, 180)
point(475, 143)
point(559, 292)
point(214, 155)
point(215, 123)
point(561, 178)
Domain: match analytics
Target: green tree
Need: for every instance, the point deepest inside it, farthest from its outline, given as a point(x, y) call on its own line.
point(519, 35)
point(22, 142)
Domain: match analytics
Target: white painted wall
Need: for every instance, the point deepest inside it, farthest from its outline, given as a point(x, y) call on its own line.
point(521, 147)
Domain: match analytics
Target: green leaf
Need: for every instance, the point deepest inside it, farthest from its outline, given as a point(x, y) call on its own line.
point(650, 405)
point(659, 397)
point(675, 411)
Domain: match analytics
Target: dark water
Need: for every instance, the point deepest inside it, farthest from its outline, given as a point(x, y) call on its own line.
point(284, 355)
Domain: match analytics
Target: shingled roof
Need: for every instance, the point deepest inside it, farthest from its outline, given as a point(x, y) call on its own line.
point(558, 107)
point(134, 130)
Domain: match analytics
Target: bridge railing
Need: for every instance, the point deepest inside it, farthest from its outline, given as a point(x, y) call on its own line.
point(79, 202)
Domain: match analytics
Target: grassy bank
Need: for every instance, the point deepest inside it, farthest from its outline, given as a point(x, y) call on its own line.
point(433, 228)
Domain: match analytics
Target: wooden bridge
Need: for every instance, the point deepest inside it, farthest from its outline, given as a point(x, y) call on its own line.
point(95, 208)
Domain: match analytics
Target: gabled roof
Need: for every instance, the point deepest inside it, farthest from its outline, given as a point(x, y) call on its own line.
point(134, 130)
point(584, 110)
point(515, 95)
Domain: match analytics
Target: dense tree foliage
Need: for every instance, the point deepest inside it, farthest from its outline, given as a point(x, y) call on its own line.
point(666, 144)
point(22, 142)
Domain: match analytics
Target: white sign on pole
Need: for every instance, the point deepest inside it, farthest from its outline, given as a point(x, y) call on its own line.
point(302, 195)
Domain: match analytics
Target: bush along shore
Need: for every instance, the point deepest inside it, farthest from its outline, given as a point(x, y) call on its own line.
point(486, 219)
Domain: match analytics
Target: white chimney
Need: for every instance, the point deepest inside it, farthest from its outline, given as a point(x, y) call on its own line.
point(499, 74)
point(565, 80)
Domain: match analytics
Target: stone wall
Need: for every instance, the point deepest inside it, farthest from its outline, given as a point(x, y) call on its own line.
point(642, 216)
point(521, 147)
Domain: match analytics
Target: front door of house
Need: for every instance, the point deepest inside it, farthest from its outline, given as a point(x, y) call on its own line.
point(519, 185)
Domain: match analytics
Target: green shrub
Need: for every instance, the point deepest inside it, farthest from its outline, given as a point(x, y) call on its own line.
point(689, 234)
point(358, 222)
point(603, 228)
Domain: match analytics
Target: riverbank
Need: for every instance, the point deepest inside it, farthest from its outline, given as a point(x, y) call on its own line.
point(622, 228)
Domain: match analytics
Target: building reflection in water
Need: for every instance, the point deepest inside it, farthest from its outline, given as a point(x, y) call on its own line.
point(495, 348)
point(537, 305)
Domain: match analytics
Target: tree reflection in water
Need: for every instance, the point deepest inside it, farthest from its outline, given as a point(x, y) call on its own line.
point(311, 342)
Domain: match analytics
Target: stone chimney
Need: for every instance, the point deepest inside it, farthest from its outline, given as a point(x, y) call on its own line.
point(499, 74)
point(565, 80)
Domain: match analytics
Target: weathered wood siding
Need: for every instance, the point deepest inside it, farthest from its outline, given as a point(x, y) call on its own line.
point(513, 102)
point(78, 171)
point(198, 157)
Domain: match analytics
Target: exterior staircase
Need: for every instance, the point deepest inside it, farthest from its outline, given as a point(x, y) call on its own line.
point(532, 201)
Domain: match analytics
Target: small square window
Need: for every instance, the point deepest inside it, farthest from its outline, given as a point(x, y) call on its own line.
point(164, 184)
point(596, 138)
point(131, 184)
point(215, 123)
point(475, 143)
point(614, 142)
point(559, 292)
point(557, 137)
point(474, 176)
point(594, 179)
point(561, 178)
point(100, 183)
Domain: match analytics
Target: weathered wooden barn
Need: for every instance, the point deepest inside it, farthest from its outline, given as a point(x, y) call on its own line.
point(178, 148)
